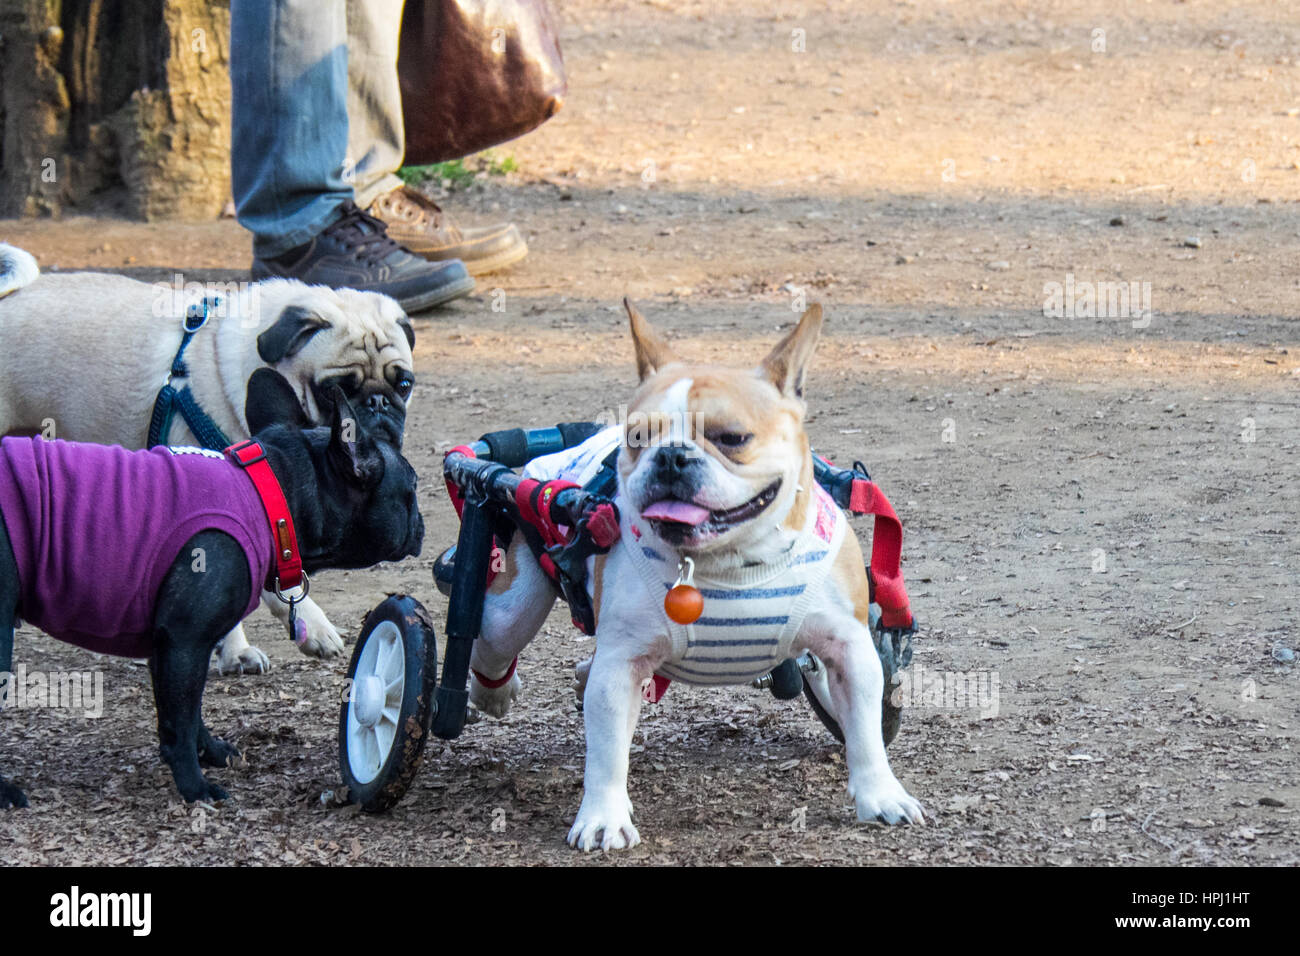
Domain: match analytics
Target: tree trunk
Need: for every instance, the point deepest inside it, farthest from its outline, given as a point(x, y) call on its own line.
point(125, 95)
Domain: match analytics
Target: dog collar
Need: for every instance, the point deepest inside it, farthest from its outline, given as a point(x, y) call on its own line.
point(251, 457)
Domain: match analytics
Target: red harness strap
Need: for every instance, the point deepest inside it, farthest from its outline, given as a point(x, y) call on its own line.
point(491, 684)
point(886, 551)
point(251, 457)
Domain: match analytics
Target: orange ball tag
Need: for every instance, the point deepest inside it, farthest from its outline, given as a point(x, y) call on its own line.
point(684, 603)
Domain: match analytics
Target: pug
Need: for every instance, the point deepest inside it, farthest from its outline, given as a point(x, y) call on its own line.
point(83, 356)
point(714, 468)
point(117, 573)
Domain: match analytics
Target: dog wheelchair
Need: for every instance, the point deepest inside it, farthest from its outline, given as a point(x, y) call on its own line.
point(394, 700)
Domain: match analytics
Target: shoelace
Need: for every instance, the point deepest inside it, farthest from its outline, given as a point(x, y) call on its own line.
point(416, 211)
point(363, 234)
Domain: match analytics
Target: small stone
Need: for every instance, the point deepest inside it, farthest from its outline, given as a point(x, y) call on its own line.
point(1192, 242)
point(902, 260)
point(1283, 654)
point(1271, 802)
point(1000, 265)
point(1117, 221)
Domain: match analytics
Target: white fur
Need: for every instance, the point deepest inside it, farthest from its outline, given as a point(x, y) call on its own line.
point(17, 269)
point(632, 643)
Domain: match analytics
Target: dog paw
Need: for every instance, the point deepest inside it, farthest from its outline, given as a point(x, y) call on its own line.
point(494, 701)
point(885, 801)
point(250, 660)
point(315, 635)
point(604, 824)
point(218, 753)
point(10, 796)
point(205, 791)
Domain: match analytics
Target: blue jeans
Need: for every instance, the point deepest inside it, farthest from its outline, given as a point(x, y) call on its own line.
point(316, 113)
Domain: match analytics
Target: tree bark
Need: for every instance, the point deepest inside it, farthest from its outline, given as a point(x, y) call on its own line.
point(125, 95)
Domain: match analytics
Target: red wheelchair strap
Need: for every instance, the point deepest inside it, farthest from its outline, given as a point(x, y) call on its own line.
point(251, 457)
point(886, 551)
point(655, 690)
point(453, 490)
point(491, 684)
point(534, 499)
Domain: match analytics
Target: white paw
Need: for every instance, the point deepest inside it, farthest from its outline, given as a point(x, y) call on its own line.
point(604, 824)
point(885, 801)
point(494, 701)
point(314, 634)
point(247, 660)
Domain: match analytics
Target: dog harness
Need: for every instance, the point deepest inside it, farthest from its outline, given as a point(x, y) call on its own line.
point(170, 400)
point(751, 614)
point(96, 528)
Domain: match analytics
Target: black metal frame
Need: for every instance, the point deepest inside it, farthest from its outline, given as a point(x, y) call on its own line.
point(488, 484)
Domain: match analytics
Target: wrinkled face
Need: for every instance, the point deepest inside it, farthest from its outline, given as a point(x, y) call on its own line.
point(712, 457)
point(386, 525)
point(358, 341)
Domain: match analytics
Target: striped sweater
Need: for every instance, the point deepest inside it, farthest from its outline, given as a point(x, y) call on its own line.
point(751, 614)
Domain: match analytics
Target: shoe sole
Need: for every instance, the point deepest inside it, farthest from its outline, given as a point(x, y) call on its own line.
point(481, 266)
point(438, 296)
point(506, 257)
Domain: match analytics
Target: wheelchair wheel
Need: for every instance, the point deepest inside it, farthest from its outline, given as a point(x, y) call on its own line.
point(816, 686)
point(384, 719)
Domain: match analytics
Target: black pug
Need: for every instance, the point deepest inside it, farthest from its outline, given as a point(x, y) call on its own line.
point(160, 553)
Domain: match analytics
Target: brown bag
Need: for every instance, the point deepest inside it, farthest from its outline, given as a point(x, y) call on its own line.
point(476, 73)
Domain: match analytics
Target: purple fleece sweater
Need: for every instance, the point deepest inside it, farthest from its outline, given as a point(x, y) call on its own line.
point(95, 529)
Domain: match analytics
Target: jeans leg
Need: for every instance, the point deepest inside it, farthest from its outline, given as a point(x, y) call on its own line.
point(376, 138)
point(289, 137)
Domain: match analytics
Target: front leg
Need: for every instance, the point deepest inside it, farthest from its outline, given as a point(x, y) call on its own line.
point(610, 707)
point(314, 634)
point(856, 682)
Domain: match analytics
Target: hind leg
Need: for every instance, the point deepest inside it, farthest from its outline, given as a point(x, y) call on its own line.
point(518, 601)
point(10, 795)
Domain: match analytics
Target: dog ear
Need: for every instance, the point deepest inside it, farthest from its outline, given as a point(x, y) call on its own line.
point(352, 451)
point(405, 323)
point(785, 365)
point(290, 334)
point(652, 352)
point(270, 400)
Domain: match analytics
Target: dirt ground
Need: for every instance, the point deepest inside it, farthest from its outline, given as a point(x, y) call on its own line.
point(1096, 509)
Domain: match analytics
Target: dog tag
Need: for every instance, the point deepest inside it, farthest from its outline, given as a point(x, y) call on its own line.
point(684, 603)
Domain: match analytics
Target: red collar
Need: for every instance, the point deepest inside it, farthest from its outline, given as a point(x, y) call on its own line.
point(251, 457)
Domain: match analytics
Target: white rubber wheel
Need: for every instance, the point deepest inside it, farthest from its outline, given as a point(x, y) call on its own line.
point(377, 687)
point(384, 720)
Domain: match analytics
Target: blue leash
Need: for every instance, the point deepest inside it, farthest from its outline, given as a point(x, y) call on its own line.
point(170, 399)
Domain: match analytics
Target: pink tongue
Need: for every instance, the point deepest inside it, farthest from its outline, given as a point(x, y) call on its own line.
point(682, 512)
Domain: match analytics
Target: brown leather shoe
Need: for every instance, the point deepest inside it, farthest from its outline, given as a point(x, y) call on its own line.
point(418, 223)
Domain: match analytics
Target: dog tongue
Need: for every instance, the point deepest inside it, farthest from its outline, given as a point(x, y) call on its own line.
point(681, 512)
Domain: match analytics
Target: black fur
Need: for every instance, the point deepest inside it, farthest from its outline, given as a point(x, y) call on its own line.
point(353, 505)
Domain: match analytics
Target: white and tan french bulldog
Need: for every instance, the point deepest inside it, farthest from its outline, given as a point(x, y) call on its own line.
point(83, 355)
point(714, 466)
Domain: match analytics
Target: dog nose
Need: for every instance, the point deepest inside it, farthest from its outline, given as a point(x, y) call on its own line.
point(671, 461)
point(377, 403)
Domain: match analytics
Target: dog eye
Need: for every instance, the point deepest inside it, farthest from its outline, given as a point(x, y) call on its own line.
point(730, 440)
point(405, 382)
